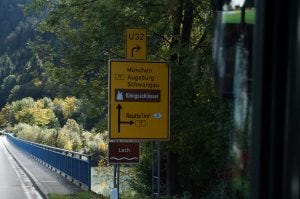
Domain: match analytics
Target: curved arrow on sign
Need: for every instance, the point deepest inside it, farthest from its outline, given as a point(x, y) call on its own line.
point(135, 49)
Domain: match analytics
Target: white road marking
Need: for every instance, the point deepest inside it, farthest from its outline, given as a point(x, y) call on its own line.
point(19, 172)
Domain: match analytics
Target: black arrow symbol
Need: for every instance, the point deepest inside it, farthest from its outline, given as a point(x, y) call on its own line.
point(119, 107)
point(130, 122)
point(136, 49)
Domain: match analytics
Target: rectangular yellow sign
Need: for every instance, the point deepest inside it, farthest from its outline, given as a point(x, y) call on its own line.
point(139, 100)
point(136, 44)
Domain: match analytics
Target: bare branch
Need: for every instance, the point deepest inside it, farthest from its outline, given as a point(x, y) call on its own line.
point(160, 36)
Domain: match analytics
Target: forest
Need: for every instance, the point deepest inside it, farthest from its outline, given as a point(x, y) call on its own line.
point(54, 81)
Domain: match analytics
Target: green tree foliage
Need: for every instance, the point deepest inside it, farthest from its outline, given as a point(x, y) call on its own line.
point(7, 77)
point(8, 83)
point(36, 134)
point(34, 113)
point(5, 116)
point(39, 121)
point(44, 112)
point(69, 136)
point(6, 65)
point(8, 23)
point(16, 57)
point(36, 116)
point(22, 104)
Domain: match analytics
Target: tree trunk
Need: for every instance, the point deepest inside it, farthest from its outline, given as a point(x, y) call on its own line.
point(172, 160)
point(183, 17)
point(187, 23)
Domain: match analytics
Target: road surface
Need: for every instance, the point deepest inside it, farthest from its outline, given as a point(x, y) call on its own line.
point(14, 183)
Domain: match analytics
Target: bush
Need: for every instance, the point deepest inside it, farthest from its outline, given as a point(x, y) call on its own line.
point(69, 136)
point(36, 134)
point(27, 132)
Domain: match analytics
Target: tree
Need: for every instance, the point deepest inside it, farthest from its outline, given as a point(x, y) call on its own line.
point(69, 136)
point(16, 58)
point(6, 65)
point(7, 22)
point(37, 116)
point(8, 83)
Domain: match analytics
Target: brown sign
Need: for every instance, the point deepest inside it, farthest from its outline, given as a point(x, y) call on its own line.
point(121, 152)
point(137, 95)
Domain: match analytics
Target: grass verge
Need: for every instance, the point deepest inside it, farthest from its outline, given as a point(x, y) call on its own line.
point(80, 195)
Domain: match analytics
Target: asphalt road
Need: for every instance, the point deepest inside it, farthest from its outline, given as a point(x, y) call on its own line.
point(14, 183)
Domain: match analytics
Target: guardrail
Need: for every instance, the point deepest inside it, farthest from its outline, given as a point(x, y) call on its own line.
point(71, 164)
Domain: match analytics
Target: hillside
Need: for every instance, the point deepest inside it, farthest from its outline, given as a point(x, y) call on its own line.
point(21, 73)
point(10, 17)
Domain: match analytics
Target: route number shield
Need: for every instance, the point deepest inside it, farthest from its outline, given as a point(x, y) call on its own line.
point(136, 44)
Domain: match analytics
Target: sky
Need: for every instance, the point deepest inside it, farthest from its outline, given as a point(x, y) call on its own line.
point(237, 3)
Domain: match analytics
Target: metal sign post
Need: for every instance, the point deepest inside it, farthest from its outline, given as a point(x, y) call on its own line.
point(156, 170)
point(117, 179)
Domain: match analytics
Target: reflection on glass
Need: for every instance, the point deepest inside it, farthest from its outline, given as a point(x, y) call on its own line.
point(232, 53)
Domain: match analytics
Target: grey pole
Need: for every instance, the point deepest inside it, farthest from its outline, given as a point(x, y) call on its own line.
point(156, 170)
point(118, 180)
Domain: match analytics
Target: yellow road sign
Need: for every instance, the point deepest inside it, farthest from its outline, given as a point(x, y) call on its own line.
point(138, 100)
point(136, 44)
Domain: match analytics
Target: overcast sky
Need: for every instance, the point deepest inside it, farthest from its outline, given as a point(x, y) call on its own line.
point(237, 3)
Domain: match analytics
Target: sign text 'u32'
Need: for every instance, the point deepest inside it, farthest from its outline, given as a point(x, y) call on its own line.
point(136, 44)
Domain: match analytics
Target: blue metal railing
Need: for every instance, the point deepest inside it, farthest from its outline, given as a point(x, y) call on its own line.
point(75, 165)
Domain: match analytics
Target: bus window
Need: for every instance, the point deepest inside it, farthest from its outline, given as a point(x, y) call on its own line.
point(232, 54)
